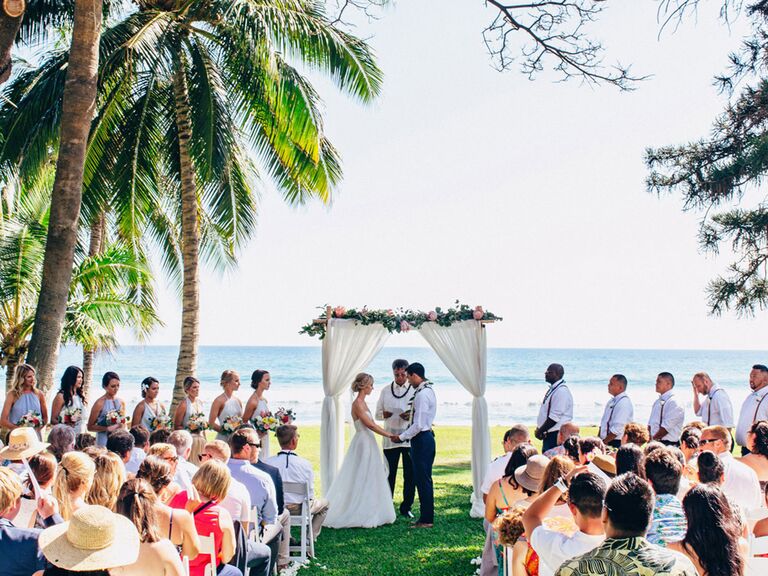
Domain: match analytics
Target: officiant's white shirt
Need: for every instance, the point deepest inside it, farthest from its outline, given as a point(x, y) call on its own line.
point(293, 468)
point(395, 399)
point(424, 411)
point(557, 405)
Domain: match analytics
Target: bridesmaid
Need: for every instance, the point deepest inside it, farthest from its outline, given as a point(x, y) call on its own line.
point(23, 397)
point(150, 407)
point(191, 405)
point(71, 397)
point(226, 405)
point(108, 402)
point(260, 381)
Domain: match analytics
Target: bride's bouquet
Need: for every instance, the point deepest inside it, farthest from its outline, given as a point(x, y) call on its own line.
point(265, 422)
point(113, 417)
point(162, 420)
point(231, 424)
point(197, 422)
point(70, 415)
point(285, 415)
point(31, 419)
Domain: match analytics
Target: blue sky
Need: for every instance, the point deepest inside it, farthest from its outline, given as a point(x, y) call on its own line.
point(525, 197)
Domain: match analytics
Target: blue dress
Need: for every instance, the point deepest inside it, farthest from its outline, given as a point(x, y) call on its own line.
point(27, 402)
point(108, 406)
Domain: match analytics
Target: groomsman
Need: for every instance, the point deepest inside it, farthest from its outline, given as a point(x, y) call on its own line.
point(394, 402)
point(422, 442)
point(716, 408)
point(556, 408)
point(755, 407)
point(667, 416)
point(618, 412)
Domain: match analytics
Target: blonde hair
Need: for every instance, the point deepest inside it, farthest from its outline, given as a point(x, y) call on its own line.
point(212, 480)
point(227, 376)
point(361, 381)
point(162, 449)
point(10, 489)
point(109, 477)
point(76, 471)
point(558, 467)
point(18, 379)
point(721, 433)
point(220, 448)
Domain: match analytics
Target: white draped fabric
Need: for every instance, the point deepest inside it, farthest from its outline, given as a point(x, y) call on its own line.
point(462, 348)
point(348, 347)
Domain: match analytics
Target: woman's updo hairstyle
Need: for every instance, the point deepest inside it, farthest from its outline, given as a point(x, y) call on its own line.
point(361, 381)
point(136, 501)
point(146, 384)
point(156, 471)
point(760, 430)
point(188, 381)
point(257, 377)
point(711, 469)
point(227, 376)
point(108, 377)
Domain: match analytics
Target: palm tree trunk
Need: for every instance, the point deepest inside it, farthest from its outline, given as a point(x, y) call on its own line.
point(98, 230)
point(190, 241)
point(9, 29)
point(78, 109)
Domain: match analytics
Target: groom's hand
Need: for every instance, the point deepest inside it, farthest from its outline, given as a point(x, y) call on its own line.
point(396, 439)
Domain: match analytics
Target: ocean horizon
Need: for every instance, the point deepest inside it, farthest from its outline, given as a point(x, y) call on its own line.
point(515, 379)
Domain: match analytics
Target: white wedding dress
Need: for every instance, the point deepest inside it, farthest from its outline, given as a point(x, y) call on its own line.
point(359, 496)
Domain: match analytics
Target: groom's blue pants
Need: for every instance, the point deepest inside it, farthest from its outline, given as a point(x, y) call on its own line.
point(423, 456)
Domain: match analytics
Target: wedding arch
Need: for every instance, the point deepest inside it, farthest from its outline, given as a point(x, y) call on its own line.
point(351, 338)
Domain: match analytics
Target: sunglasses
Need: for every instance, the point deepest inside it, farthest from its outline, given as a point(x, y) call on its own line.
point(201, 456)
point(705, 442)
point(255, 444)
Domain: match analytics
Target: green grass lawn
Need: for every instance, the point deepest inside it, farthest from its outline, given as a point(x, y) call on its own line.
point(445, 550)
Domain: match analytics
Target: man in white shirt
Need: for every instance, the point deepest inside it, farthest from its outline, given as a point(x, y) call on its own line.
point(585, 500)
point(513, 437)
point(740, 484)
point(755, 407)
point(716, 408)
point(422, 439)
point(556, 408)
point(185, 469)
point(294, 468)
point(618, 412)
point(667, 416)
point(139, 450)
point(392, 407)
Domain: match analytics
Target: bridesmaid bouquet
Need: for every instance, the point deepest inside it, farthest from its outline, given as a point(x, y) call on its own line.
point(265, 422)
point(197, 422)
point(285, 415)
point(162, 420)
point(231, 424)
point(113, 417)
point(31, 419)
point(70, 415)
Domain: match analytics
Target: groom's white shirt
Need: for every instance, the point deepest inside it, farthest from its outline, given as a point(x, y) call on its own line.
point(424, 411)
point(395, 399)
point(293, 468)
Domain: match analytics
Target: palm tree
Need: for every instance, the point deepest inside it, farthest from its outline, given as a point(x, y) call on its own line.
point(187, 88)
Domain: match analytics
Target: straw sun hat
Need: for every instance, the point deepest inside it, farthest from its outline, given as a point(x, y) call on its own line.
point(529, 475)
point(22, 443)
point(94, 539)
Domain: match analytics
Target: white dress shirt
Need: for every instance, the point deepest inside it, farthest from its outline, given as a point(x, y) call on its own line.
point(554, 547)
point(237, 501)
point(741, 484)
point(716, 408)
point(557, 405)
point(424, 411)
point(755, 408)
point(184, 472)
point(395, 399)
point(670, 415)
point(293, 468)
point(495, 471)
point(137, 457)
point(618, 412)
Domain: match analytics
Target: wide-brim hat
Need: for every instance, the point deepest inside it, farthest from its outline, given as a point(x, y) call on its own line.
point(605, 463)
point(22, 443)
point(529, 475)
point(94, 539)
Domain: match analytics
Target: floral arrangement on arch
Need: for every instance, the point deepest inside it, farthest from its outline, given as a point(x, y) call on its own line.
point(399, 320)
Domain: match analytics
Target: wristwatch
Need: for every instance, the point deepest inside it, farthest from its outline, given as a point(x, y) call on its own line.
point(561, 485)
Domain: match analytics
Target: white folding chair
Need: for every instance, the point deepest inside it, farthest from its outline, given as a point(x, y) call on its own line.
point(506, 559)
point(757, 566)
point(208, 546)
point(303, 519)
point(185, 563)
point(253, 524)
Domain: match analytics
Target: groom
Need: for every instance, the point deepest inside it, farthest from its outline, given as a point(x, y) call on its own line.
point(422, 415)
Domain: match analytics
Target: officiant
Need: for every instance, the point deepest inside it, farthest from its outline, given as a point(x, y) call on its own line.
point(394, 402)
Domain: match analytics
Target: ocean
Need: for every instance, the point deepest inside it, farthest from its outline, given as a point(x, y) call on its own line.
point(515, 385)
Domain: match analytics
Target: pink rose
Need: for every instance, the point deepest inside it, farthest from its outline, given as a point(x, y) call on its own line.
point(478, 314)
point(390, 312)
point(404, 326)
point(339, 311)
point(432, 316)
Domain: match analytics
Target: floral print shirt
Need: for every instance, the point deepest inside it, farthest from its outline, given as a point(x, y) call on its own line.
point(669, 523)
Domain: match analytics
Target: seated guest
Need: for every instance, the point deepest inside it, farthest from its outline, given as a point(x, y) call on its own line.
point(513, 437)
point(589, 447)
point(663, 471)
point(689, 445)
point(109, 477)
point(277, 480)
point(211, 481)
point(685, 484)
point(159, 436)
point(22, 443)
point(182, 441)
point(713, 539)
point(84, 440)
point(120, 442)
point(73, 482)
point(757, 443)
point(18, 546)
point(506, 491)
point(635, 433)
point(710, 469)
point(139, 450)
point(630, 458)
point(177, 524)
point(43, 466)
point(566, 431)
point(585, 502)
point(740, 484)
point(626, 517)
point(558, 467)
point(761, 526)
point(62, 440)
point(157, 555)
point(651, 446)
point(167, 452)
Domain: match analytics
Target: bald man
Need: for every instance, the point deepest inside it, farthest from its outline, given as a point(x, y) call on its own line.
point(556, 408)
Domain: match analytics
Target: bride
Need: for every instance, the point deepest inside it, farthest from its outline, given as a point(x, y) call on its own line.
point(359, 496)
